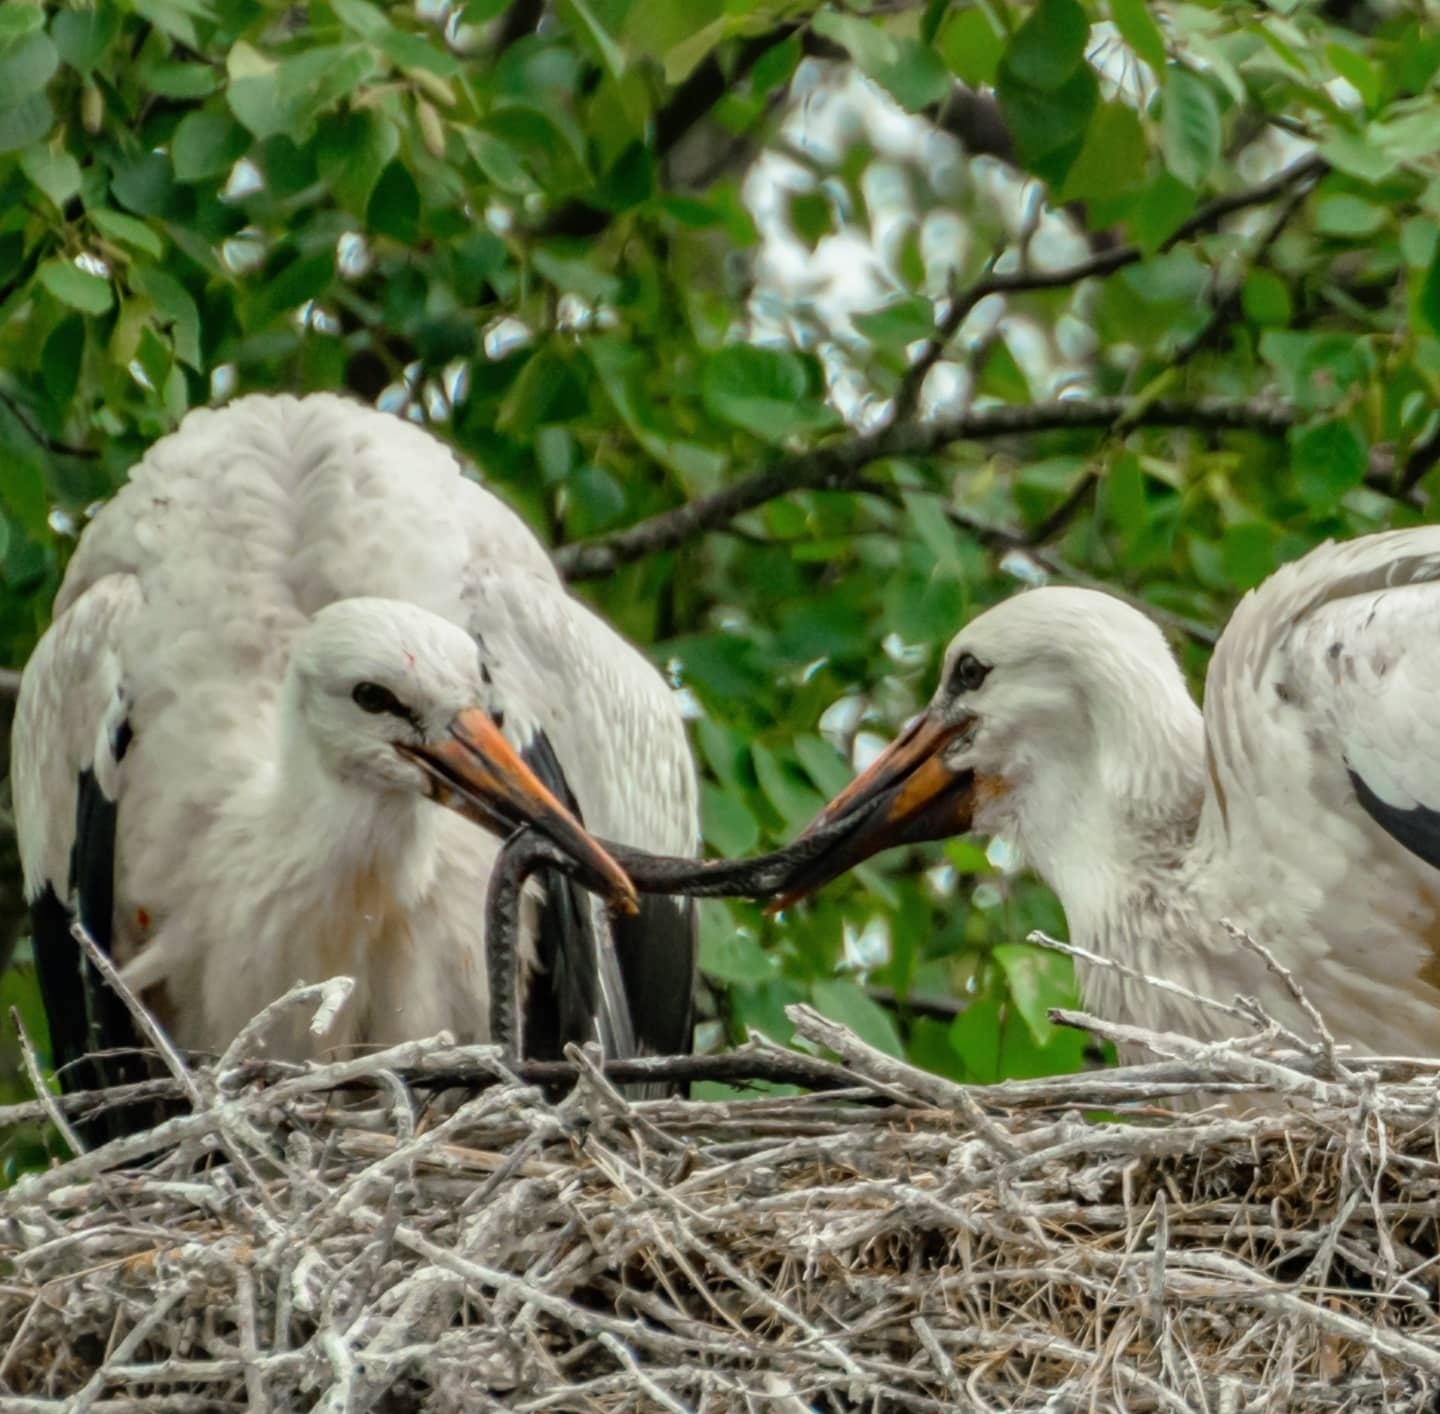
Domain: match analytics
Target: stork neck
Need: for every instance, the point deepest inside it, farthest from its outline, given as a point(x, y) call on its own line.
point(1106, 819)
point(344, 827)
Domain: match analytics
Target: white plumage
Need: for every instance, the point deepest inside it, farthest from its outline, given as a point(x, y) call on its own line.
point(218, 614)
point(1303, 805)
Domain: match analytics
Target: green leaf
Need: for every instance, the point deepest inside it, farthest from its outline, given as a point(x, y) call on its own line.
point(729, 955)
point(846, 1002)
point(796, 801)
point(206, 144)
point(1248, 553)
point(1049, 47)
point(897, 324)
point(175, 17)
point(18, 20)
point(286, 289)
point(1125, 493)
point(82, 36)
point(1349, 216)
point(823, 764)
point(767, 392)
point(351, 151)
point(367, 20)
point(1189, 127)
point(1132, 18)
point(413, 51)
point(60, 362)
point(975, 1037)
point(145, 185)
point(1049, 126)
point(587, 23)
point(1317, 370)
point(1358, 71)
point(912, 72)
point(728, 824)
point(1328, 459)
point(1428, 300)
point(1113, 157)
point(57, 174)
point(915, 77)
point(176, 309)
point(1039, 979)
point(1160, 211)
point(811, 216)
point(573, 267)
point(23, 493)
point(1265, 298)
point(1357, 156)
point(184, 81)
point(28, 122)
point(78, 288)
point(394, 207)
point(971, 46)
point(1001, 376)
point(630, 182)
point(26, 67)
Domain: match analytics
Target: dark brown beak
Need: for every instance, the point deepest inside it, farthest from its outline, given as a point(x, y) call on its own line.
point(478, 774)
point(907, 795)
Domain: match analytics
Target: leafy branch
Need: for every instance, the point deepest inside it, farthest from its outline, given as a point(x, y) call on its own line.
point(1105, 262)
point(836, 465)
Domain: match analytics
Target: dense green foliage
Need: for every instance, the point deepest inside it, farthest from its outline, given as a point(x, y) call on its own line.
point(1172, 271)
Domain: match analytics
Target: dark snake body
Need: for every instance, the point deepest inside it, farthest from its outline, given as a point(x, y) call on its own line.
point(761, 877)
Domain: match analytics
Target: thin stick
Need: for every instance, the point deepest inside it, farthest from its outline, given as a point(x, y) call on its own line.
point(53, 1112)
point(1327, 1037)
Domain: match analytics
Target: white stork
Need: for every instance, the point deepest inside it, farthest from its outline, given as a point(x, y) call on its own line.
point(296, 620)
point(1303, 805)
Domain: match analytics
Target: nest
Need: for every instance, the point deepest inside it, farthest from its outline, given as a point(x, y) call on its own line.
point(375, 1234)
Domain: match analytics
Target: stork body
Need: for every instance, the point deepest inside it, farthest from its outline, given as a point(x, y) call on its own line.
point(199, 696)
point(1302, 805)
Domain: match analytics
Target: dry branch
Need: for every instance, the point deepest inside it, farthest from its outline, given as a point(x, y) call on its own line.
point(906, 1244)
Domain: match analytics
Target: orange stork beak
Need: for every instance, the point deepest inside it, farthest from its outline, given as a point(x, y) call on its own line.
point(479, 775)
point(907, 795)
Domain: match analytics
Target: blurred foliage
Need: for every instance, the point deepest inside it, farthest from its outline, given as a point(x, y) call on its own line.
point(629, 253)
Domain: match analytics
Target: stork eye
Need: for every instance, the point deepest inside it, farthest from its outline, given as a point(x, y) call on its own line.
point(968, 673)
point(371, 697)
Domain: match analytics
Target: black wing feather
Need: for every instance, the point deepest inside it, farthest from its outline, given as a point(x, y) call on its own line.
point(84, 1015)
point(657, 960)
point(561, 1006)
point(1417, 829)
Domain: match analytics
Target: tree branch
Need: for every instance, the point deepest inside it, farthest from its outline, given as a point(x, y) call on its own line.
point(836, 465)
point(1423, 456)
point(40, 437)
point(1105, 262)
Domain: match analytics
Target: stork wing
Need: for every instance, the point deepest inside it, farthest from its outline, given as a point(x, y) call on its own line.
point(1323, 741)
point(72, 732)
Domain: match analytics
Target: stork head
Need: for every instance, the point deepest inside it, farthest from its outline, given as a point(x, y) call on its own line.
point(399, 699)
point(1047, 704)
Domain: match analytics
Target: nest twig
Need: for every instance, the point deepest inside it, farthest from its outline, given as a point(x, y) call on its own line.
point(904, 1243)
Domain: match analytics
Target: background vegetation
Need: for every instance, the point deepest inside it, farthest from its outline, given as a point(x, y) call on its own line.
point(802, 331)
